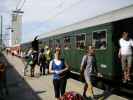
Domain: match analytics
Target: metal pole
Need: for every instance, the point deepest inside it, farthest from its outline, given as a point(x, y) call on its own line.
point(1, 32)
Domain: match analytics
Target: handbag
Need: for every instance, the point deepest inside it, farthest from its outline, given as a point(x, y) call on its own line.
point(66, 74)
point(30, 62)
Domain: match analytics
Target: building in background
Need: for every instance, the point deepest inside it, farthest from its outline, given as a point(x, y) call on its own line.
point(16, 34)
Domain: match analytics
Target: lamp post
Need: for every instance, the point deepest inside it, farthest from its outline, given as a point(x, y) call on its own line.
point(1, 20)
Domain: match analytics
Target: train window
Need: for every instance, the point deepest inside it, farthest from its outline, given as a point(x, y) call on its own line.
point(57, 43)
point(99, 39)
point(51, 45)
point(80, 41)
point(67, 42)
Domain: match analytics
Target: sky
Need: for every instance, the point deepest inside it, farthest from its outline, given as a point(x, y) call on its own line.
point(42, 16)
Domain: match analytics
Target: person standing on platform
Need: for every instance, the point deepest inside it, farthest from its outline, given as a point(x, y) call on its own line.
point(48, 56)
point(88, 69)
point(35, 46)
point(28, 58)
point(42, 61)
point(59, 68)
point(34, 62)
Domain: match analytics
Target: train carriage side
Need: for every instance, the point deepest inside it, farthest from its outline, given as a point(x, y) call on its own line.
point(99, 36)
point(103, 37)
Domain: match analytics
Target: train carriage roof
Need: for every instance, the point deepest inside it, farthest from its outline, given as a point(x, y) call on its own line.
point(122, 13)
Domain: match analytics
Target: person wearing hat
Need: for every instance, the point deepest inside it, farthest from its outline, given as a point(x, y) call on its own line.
point(48, 56)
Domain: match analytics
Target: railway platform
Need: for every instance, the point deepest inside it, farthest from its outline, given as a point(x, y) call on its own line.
point(22, 87)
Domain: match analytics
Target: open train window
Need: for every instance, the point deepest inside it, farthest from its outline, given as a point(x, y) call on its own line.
point(99, 39)
point(80, 41)
point(67, 44)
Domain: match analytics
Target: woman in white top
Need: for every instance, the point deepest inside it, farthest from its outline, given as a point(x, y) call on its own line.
point(125, 53)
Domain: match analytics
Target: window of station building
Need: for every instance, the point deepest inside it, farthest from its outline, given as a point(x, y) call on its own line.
point(67, 44)
point(99, 39)
point(80, 41)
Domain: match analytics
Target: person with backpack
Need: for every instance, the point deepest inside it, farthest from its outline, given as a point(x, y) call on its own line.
point(59, 68)
point(48, 55)
point(89, 71)
point(28, 58)
point(42, 61)
point(34, 62)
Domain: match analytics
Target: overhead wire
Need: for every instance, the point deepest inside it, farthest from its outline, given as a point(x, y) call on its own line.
point(17, 5)
point(22, 4)
point(59, 13)
point(62, 11)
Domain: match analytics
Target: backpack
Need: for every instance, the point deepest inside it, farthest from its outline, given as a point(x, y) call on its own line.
point(42, 58)
point(85, 62)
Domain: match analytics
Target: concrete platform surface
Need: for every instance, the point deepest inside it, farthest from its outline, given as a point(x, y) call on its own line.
point(39, 87)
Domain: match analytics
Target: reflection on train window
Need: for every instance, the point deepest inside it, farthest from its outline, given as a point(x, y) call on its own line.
point(80, 41)
point(99, 39)
point(67, 44)
point(57, 43)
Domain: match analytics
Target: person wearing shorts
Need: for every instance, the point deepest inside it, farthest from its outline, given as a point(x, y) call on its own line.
point(125, 53)
point(89, 71)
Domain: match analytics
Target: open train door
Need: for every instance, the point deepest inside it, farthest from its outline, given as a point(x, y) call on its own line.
point(118, 28)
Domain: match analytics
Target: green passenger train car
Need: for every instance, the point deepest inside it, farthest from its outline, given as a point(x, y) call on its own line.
point(73, 47)
point(103, 32)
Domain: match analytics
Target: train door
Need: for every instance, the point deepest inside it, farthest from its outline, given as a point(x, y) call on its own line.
point(119, 27)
